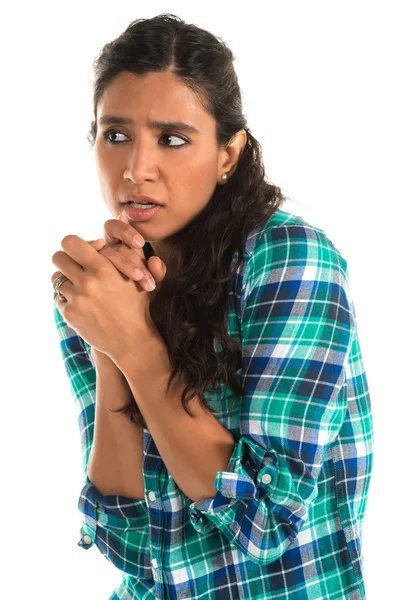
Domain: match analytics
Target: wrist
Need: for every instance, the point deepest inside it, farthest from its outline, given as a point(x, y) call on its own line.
point(112, 388)
point(149, 358)
point(103, 361)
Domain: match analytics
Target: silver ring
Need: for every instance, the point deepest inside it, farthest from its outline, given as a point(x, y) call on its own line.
point(57, 283)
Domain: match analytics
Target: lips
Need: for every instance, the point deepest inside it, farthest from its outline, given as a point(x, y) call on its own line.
point(133, 198)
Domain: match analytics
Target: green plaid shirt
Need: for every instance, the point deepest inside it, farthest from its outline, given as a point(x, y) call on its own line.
point(286, 521)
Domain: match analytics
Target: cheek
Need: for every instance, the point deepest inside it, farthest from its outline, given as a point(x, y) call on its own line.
point(202, 182)
point(105, 169)
point(100, 164)
point(195, 196)
point(200, 174)
point(100, 158)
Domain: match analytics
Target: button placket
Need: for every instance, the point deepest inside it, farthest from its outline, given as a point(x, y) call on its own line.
point(152, 497)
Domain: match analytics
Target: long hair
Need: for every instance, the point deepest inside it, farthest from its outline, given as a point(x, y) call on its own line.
point(190, 310)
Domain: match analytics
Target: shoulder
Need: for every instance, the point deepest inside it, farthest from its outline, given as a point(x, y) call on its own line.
point(288, 242)
point(294, 270)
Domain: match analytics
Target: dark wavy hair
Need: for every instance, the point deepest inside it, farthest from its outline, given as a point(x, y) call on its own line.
point(190, 310)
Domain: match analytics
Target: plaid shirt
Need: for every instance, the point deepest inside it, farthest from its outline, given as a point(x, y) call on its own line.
point(287, 517)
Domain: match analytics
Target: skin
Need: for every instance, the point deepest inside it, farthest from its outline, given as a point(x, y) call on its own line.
point(183, 179)
point(143, 160)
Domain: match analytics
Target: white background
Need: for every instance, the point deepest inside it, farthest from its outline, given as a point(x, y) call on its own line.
point(319, 81)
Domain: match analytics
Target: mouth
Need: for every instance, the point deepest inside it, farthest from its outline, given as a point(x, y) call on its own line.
point(140, 199)
point(141, 205)
point(139, 212)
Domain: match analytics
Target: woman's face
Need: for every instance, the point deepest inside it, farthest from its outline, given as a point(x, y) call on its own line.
point(179, 168)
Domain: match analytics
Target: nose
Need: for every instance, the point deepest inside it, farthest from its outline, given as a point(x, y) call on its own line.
point(140, 164)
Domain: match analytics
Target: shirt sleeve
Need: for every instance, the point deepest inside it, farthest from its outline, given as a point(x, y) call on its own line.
point(116, 524)
point(81, 373)
point(297, 329)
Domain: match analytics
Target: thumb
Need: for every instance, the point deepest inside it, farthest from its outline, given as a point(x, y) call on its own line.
point(157, 268)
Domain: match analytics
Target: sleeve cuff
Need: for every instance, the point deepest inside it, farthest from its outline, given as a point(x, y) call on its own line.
point(251, 474)
point(114, 513)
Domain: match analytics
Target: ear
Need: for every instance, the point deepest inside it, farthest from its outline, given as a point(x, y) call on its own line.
point(230, 153)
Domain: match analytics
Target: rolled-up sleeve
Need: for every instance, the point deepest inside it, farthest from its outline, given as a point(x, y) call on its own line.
point(297, 327)
point(81, 373)
point(117, 525)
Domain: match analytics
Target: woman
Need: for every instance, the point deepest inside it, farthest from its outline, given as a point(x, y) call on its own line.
point(226, 415)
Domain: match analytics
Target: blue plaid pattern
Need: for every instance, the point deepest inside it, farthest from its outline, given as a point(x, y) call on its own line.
point(286, 521)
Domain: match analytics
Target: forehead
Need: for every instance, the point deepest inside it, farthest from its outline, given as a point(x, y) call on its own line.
point(155, 96)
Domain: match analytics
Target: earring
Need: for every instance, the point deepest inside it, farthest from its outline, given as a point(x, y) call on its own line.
point(224, 177)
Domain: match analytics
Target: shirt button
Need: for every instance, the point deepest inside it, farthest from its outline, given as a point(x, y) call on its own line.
point(266, 478)
point(87, 539)
point(152, 496)
point(154, 563)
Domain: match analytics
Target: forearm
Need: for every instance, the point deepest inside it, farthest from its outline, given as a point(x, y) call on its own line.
point(193, 449)
point(115, 463)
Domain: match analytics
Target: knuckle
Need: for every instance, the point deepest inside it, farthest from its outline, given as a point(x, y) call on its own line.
point(117, 259)
point(67, 239)
point(103, 270)
point(122, 261)
point(88, 285)
point(137, 268)
point(111, 253)
point(56, 255)
point(109, 223)
point(105, 250)
point(132, 264)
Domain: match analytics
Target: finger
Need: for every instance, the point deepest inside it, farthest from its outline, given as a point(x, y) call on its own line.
point(157, 268)
point(67, 286)
point(117, 230)
point(97, 244)
point(138, 259)
point(66, 265)
point(139, 242)
point(82, 253)
point(148, 273)
point(134, 269)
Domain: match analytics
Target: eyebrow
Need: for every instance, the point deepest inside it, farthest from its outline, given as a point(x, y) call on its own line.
point(114, 120)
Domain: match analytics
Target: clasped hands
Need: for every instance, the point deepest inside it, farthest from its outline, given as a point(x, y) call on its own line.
point(107, 303)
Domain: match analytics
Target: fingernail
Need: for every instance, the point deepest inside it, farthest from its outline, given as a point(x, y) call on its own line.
point(150, 285)
point(138, 241)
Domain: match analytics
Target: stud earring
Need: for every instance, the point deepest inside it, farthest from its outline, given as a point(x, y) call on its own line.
point(224, 177)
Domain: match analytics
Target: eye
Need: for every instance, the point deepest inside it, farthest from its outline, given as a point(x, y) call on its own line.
point(170, 135)
point(110, 131)
point(106, 135)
